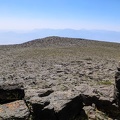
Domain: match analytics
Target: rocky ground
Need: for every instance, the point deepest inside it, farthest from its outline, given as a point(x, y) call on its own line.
point(58, 79)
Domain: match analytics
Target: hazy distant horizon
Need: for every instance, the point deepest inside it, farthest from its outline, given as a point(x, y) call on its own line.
point(95, 19)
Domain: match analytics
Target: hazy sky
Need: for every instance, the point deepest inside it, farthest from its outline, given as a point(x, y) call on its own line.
point(60, 14)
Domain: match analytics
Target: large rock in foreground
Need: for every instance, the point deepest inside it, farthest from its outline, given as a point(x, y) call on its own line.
point(55, 105)
point(14, 111)
point(68, 105)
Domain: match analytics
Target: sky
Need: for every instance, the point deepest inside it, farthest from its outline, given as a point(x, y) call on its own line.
point(27, 15)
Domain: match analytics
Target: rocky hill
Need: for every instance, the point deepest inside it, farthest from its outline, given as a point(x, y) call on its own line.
point(64, 41)
point(57, 78)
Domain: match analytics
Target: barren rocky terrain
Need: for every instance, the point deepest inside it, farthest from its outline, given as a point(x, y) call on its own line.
point(57, 78)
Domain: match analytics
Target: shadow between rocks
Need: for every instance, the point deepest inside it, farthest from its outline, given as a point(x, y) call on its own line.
point(44, 114)
point(38, 113)
point(109, 108)
point(71, 110)
point(7, 96)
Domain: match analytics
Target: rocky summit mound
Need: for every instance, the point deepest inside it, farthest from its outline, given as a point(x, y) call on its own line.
point(57, 78)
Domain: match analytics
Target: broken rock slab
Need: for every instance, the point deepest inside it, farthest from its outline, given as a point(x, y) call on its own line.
point(14, 111)
point(61, 105)
point(64, 105)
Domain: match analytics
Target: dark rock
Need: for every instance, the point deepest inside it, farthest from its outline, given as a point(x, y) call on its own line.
point(117, 86)
point(14, 111)
point(118, 69)
point(46, 93)
point(10, 92)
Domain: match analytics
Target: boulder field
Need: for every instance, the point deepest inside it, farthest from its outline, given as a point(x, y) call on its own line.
point(83, 103)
